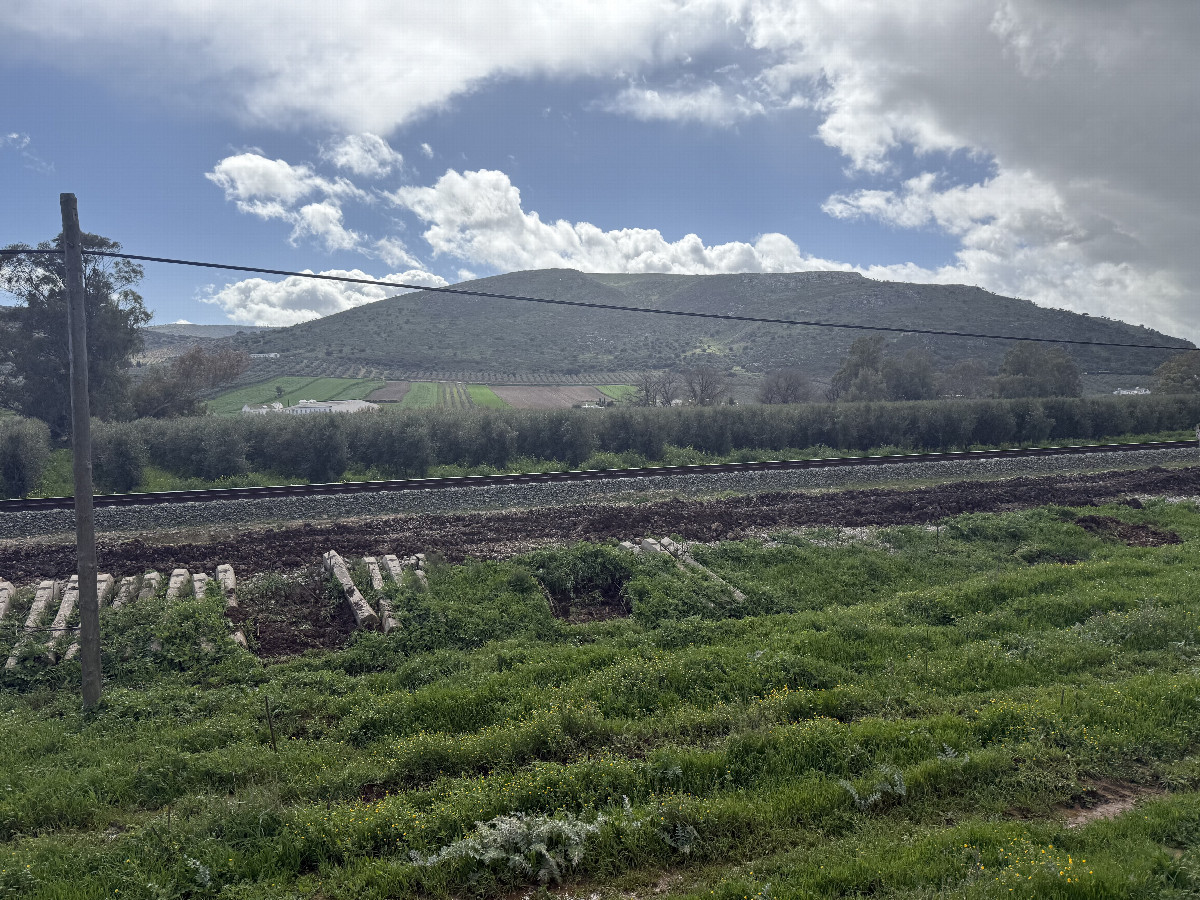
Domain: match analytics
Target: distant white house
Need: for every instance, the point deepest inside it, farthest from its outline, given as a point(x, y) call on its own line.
point(305, 407)
point(1125, 392)
point(264, 356)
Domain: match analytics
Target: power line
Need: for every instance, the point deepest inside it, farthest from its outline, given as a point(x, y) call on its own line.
point(729, 317)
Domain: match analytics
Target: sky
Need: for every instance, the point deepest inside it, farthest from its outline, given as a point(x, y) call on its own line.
point(1043, 149)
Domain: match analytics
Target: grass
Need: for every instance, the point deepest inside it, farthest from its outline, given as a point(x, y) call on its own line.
point(294, 389)
point(422, 395)
point(482, 395)
point(617, 391)
point(900, 716)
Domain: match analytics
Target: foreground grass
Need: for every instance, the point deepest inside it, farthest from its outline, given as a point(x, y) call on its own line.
point(294, 389)
point(900, 716)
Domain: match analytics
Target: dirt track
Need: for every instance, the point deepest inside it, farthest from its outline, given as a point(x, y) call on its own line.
point(504, 533)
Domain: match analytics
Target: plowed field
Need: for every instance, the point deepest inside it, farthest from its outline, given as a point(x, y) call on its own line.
point(531, 396)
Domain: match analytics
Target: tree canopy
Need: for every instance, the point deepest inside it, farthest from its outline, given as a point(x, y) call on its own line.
point(175, 389)
point(867, 373)
point(1034, 370)
point(34, 358)
point(1180, 374)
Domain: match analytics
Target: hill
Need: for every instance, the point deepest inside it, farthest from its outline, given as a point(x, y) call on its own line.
point(163, 342)
point(427, 335)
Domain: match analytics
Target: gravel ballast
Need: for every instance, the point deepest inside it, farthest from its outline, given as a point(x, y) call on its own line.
point(19, 525)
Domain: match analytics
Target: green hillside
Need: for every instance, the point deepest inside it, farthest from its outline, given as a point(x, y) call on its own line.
point(431, 336)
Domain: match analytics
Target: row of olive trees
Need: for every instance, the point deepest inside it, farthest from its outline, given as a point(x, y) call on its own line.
point(408, 443)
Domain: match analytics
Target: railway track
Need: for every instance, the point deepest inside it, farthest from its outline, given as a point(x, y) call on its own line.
point(424, 484)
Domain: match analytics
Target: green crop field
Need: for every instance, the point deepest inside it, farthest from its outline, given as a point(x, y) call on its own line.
point(295, 388)
point(453, 395)
point(895, 712)
point(617, 391)
point(482, 395)
point(422, 395)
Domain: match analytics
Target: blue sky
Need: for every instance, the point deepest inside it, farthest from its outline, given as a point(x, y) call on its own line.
point(991, 143)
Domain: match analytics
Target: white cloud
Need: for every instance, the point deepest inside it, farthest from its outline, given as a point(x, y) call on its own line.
point(367, 65)
point(477, 217)
point(256, 301)
point(427, 151)
point(1085, 112)
point(1094, 103)
point(366, 155)
point(710, 105)
point(272, 188)
point(21, 144)
point(260, 185)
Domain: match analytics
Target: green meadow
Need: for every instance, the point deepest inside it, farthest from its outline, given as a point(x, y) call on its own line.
point(293, 389)
point(900, 712)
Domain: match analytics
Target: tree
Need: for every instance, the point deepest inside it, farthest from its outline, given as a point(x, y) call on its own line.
point(668, 387)
point(1030, 369)
point(785, 386)
point(33, 340)
point(866, 354)
point(645, 389)
point(24, 450)
point(909, 377)
point(175, 389)
point(1180, 374)
point(705, 386)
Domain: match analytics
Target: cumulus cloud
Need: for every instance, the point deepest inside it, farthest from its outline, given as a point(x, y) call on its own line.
point(478, 217)
point(256, 301)
point(427, 151)
point(273, 188)
point(366, 155)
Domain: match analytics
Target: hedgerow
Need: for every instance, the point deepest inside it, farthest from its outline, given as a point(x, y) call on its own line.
point(407, 443)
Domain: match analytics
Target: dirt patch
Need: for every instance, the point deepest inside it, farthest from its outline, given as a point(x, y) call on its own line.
point(528, 396)
point(495, 535)
point(289, 616)
point(391, 392)
point(1129, 534)
point(592, 610)
point(1105, 800)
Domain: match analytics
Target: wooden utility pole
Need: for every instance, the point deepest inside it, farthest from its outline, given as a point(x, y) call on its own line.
point(81, 444)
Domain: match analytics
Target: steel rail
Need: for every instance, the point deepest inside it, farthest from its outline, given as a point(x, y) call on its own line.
point(210, 495)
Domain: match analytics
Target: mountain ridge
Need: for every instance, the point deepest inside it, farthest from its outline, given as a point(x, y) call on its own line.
point(426, 334)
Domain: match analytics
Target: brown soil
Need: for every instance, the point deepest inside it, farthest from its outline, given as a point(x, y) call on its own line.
point(1129, 534)
point(499, 534)
point(1105, 800)
point(391, 392)
point(294, 617)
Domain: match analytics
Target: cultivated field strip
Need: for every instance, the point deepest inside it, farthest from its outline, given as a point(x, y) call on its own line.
point(49, 610)
point(421, 484)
